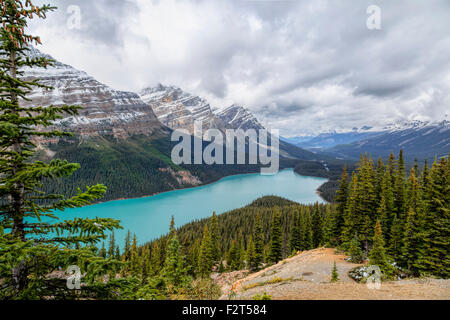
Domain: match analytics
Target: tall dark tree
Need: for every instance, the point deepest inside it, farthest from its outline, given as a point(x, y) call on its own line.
point(295, 239)
point(205, 257)
point(252, 263)
point(275, 253)
point(328, 224)
point(350, 219)
point(400, 191)
point(377, 255)
point(127, 246)
point(317, 226)
point(341, 200)
point(258, 239)
point(435, 246)
point(112, 245)
point(174, 272)
point(410, 243)
point(214, 230)
point(27, 212)
point(155, 259)
point(234, 255)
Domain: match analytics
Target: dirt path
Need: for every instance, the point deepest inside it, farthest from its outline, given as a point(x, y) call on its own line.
point(307, 277)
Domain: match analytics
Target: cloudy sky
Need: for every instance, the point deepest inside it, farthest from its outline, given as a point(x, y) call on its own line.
point(301, 66)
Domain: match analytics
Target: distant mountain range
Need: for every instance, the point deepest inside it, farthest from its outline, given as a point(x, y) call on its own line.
point(329, 139)
point(418, 139)
point(421, 140)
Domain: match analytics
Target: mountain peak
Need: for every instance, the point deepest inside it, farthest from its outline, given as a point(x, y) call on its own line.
point(239, 117)
point(178, 109)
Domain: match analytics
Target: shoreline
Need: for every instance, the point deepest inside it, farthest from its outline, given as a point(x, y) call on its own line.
point(207, 184)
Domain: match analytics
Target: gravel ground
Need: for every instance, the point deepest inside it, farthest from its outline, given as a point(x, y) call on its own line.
point(307, 277)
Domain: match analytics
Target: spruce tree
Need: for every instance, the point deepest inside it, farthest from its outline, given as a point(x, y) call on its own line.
point(309, 244)
point(174, 273)
point(354, 250)
point(341, 199)
point(377, 255)
point(155, 259)
point(27, 212)
point(205, 257)
point(295, 239)
point(435, 245)
point(145, 262)
point(365, 209)
point(112, 246)
point(409, 249)
point(252, 264)
point(328, 228)
point(317, 226)
point(258, 239)
point(350, 217)
point(233, 256)
point(400, 192)
point(302, 228)
point(214, 230)
point(102, 252)
point(396, 239)
point(242, 255)
point(275, 253)
point(134, 260)
point(127, 246)
point(386, 210)
point(334, 273)
point(172, 229)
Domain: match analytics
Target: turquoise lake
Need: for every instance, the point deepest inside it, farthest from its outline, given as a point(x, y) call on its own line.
point(150, 217)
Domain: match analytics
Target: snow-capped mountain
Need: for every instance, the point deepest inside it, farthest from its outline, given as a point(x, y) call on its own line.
point(105, 111)
point(329, 139)
point(178, 109)
point(418, 139)
point(239, 117)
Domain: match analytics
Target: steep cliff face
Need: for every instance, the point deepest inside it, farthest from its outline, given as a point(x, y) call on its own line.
point(240, 118)
point(179, 110)
point(105, 111)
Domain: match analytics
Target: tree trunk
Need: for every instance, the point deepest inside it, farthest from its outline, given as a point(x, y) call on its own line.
point(19, 272)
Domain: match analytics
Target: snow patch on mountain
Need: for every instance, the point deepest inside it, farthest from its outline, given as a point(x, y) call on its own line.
point(105, 111)
point(178, 109)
